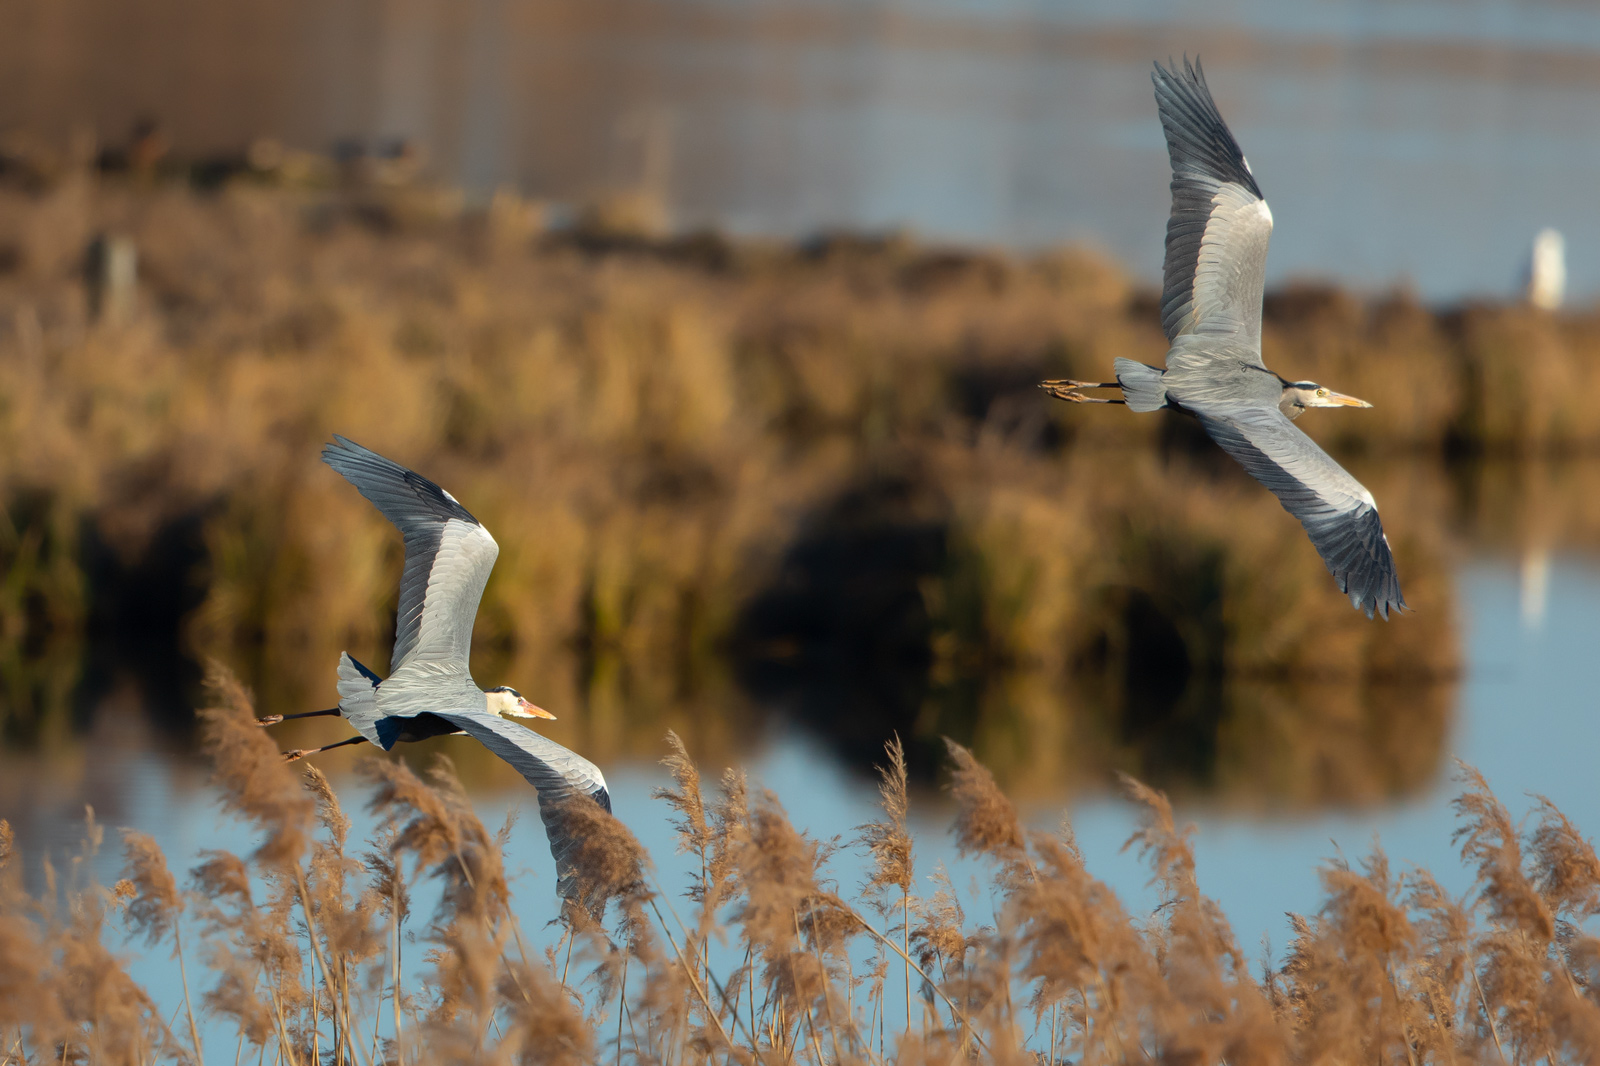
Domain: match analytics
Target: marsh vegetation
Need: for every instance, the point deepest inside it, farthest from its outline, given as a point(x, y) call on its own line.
point(741, 475)
point(763, 956)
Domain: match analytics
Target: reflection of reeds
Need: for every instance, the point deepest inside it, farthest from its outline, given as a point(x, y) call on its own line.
point(647, 425)
point(301, 943)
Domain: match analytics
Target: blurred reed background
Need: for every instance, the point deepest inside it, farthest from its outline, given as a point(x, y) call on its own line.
point(816, 477)
point(624, 277)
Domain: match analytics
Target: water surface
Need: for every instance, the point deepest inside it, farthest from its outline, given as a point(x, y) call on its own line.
point(1416, 143)
point(1526, 719)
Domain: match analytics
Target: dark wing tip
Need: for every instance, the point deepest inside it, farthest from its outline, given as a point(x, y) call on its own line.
point(1372, 581)
point(371, 472)
point(1197, 137)
point(343, 447)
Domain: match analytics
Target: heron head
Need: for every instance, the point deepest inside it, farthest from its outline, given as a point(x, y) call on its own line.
point(508, 701)
point(1299, 395)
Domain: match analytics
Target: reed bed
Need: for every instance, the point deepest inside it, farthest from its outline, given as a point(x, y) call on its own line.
point(294, 951)
point(659, 431)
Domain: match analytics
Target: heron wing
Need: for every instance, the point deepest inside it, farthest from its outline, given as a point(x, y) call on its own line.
point(555, 773)
point(448, 557)
point(1338, 513)
point(1218, 231)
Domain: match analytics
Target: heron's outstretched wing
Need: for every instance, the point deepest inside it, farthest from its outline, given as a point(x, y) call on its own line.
point(1217, 234)
point(1338, 513)
point(554, 772)
point(448, 557)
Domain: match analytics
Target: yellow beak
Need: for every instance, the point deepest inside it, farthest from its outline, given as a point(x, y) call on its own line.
point(1338, 399)
point(528, 710)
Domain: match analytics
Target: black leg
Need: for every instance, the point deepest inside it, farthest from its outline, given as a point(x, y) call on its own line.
point(301, 753)
point(274, 719)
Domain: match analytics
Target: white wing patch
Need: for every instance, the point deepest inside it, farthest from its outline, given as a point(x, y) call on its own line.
point(455, 585)
point(1228, 274)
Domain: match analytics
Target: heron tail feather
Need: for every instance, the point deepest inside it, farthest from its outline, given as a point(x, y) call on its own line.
point(1143, 387)
point(358, 698)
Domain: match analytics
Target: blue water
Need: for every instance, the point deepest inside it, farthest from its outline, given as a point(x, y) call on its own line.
point(1399, 144)
point(1527, 720)
point(1419, 144)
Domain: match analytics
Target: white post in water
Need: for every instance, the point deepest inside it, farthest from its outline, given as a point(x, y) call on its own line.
point(1535, 587)
point(1547, 270)
point(113, 278)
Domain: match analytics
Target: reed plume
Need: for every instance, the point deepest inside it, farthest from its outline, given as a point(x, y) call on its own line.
point(250, 773)
point(300, 942)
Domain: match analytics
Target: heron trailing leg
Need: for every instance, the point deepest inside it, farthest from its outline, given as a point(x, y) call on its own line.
point(1072, 391)
point(301, 753)
point(274, 719)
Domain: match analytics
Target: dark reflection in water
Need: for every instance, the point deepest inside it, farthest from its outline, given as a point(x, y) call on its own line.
point(1174, 669)
point(860, 635)
point(842, 640)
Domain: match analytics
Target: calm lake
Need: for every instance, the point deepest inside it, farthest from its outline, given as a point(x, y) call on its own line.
point(1526, 719)
point(1421, 143)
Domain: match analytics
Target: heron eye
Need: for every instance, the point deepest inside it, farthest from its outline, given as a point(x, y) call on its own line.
point(1322, 392)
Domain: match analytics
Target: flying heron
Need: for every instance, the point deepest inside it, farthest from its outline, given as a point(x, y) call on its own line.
point(429, 691)
point(1211, 312)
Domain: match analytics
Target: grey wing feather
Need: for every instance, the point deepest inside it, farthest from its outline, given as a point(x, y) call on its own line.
point(448, 556)
point(1219, 227)
point(1338, 513)
point(554, 772)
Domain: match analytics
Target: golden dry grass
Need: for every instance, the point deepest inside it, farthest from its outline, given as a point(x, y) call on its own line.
point(651, 425)
point(295, 950)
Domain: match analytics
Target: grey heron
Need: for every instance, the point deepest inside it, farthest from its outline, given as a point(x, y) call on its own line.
point(429, 691)
point(1211, 313)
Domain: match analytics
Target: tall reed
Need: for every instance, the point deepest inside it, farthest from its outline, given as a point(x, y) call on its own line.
point(757, 958)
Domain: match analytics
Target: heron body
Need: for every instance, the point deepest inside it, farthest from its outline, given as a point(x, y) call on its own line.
point(430, 691)
point(1212, 283)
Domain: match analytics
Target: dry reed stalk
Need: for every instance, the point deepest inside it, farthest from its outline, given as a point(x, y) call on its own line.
point(1516, 952)
point(242, 946)
point(155, 908)
point(986, 822)
point(348, 937)
point(112, 1017)
point(777, 871)
point(471, 929)
point(605, 862)
point(1490, 844)
point(387, 883)
point(1565, 869)
point(890, 845)
point(544, 1026)
point(1215, 1009)
point(694, 833)
point(1081, 950)
point(251, 775)
point(1389, 970)
point(1445, 929)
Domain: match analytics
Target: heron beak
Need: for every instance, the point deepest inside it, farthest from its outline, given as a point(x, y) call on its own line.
point(528, 710)
point(1339, 399)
